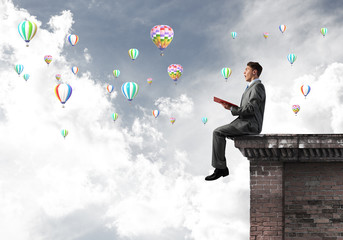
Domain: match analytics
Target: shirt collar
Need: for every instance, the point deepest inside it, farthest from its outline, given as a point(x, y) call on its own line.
point(249, 84)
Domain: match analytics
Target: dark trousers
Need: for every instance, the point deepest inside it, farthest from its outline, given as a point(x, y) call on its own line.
point(219, 143)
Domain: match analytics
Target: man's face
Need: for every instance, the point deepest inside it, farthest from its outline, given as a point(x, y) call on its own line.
point(249, 74)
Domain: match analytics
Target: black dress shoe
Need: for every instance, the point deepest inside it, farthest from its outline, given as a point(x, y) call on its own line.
point(217, 174)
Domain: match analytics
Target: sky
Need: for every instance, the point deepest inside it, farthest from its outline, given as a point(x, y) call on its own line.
point(141, 178)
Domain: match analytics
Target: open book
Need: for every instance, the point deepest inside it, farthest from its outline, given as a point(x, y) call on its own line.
point(218, 100)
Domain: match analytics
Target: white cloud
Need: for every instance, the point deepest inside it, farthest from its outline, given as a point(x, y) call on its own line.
point(87, 56)
point(181, 106)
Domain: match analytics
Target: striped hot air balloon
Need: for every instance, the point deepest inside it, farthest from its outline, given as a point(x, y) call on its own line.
point(324, 31)
point(48, 59)
point(226, 72)
point(73, 39)
point(149, 81)
point(204, 120)
point(162, 35)
point(175, 71)
point(233, 35)
point(133, 53)
point(155, 113)
point(26, 76)
point(114, 116)
point(75, 70)
point(64, 133)
point(172, 120)
point(63, 92)
point(19, 68)
point(116, 73)
point(109, 88)
point(130, 90)
point(282, 28)
point(27, 31)
point(291, 58)
point(305, 90)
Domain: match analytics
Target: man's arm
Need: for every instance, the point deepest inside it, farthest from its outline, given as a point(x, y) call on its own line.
point(255, 99)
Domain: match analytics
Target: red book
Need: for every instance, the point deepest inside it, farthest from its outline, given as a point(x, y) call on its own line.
point(218, 100)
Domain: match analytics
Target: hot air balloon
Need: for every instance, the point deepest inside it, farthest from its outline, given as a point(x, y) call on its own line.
point(155, 113)
point(265, 35)
point(75, 70)
point(130, 90)
point(48, 59)
point(26, 76)
point(27, 30)
point(162, 35)
point(305, 90)
point(109, 88)
point(204, 120)
point(233, 35)
point(172, 120)
point(296, 109)
point(64, 133)
point(175, 71)
point(58, 77)
point(291, 58)
point(114, 116)
point(282, 28)
point(63, 92)
point(19, 68)
point(116, 73)
point(324, 31)
point(133, 53)
point(226, 72)
point(73, 39)
point(149, 80)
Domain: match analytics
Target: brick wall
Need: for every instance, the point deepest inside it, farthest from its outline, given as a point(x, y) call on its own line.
point(266, 200)
point(313, 201)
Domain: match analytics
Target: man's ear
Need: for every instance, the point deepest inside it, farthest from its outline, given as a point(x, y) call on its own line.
point(254, 71)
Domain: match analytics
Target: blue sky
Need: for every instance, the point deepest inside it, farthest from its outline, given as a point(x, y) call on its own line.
point(141, 177)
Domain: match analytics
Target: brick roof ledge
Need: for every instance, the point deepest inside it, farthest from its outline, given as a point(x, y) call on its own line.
point(292, 147)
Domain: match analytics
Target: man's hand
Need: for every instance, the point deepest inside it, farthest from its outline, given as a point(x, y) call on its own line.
point(226, 106)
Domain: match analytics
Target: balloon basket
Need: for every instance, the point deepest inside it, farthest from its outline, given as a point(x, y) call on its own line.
point(27, 45)
point(162, 54)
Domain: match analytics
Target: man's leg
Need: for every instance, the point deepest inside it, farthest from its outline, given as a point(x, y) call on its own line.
point(219, 143)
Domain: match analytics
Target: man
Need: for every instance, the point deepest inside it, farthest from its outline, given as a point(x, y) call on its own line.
point(249, 121)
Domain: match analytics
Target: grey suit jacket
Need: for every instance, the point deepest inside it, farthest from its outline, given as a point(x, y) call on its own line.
point(251, 110)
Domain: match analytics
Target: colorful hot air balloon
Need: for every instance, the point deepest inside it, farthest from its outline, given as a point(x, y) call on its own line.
point(27, 30)
point(149, 80)
point(26, 76)
point(296, 109)
point(233, 35)
point(175, 71)
point(162, 35)
point(75, 70)
point(324, 31)
point(58, 77)
point(265, 35)
point(63, 92)
point(19, 68)
point(116, 73)
point(204, 120)
point(64, 133)
point(133, 53)
point(114, 116)
point(155, 113)
point(130, 90)
point(305, 90)
point(73, 39)
point(48, 59)
point(291, 58)
point(282, 28)
point(109, 88)
point(172, 120)
point(226, 72)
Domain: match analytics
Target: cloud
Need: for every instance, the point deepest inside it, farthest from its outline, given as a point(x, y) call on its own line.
point(181, 106)
point(87, 56)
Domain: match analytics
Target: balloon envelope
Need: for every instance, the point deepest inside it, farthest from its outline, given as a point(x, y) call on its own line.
point(175, 71)
point(282, 28)
point(64, 132)
point(19, 68)
point(296, 109)
point(265, 35)
point(291, 58)
point(116, 73)
point(27, 30)
point(155, 113)
point(109, 88)
point(149, 80)
point(73, 39)
point(204, 120)
point(58, 77)
point(26, 76)
point(75, 70)
point(172, 120)
point(48, 59)
point(133, 53)
point(63, 92)
point(114, 116)
point(161, 35)
point(130, 90)
point(305, 90)
point(324, 31)
point(226, 72)
point(233, 35)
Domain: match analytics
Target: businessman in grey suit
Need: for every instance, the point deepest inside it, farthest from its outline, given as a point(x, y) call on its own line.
point(249, 121)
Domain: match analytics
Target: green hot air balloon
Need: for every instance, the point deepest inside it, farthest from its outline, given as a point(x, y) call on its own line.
point(27, 31)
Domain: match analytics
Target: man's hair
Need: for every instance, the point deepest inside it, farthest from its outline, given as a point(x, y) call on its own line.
point(255, 66)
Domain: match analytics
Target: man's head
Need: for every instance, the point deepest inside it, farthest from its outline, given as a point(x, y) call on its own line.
point(252, 71)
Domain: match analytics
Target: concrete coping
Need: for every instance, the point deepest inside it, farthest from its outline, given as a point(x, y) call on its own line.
point(291, 147)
